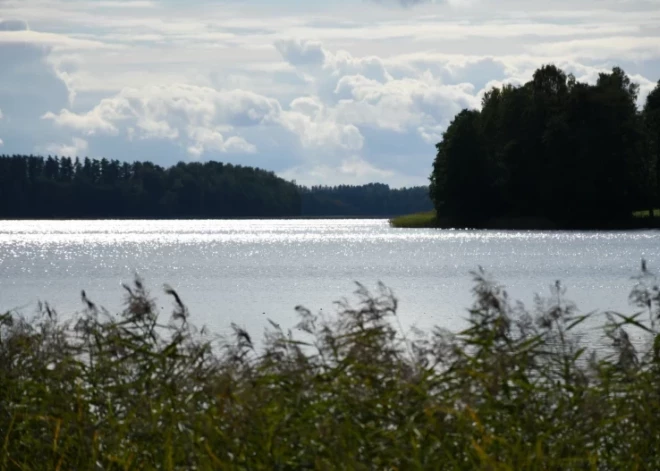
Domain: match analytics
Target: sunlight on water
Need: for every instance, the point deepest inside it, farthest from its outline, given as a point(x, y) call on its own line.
point(248, 270)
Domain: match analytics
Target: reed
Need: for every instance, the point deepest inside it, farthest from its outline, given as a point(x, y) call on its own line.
point(417, 220)
point(518, 389)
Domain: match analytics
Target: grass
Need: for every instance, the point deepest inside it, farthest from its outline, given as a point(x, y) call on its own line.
point(646, 213)
point(417, 220)
point(430, 219)
point(518, 389)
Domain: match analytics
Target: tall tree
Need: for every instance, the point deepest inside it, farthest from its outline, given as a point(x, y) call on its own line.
point(651, 115)
point(460, 186)
point(572, 152)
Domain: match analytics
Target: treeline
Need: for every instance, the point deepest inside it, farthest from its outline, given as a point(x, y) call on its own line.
point(53, 187)
point(37, 187)
point(374, 199)
point(555, 148)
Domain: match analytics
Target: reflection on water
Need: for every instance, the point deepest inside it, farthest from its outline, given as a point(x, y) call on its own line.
point(248, 270)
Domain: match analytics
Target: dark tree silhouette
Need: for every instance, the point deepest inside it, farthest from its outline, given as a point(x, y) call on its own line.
point(555, 148)
point(374, 199)
point(34, 187)
point(651, 115)
point(53, 187)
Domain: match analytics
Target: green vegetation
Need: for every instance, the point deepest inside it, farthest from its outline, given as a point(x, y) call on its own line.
point(517, 389)
point(647, 214)
point(575, 154)
point(34, 187)
point(427, 219)
point(374, 199)
point(38, 188)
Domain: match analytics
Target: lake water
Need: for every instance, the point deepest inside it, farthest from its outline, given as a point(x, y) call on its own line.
point(245, 271)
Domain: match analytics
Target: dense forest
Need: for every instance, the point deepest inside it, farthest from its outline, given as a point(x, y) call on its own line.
point(34, 187)
point(554, 148)
point(53, 187)
point(374, 199)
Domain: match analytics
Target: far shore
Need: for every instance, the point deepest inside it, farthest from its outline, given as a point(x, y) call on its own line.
point(193, 218)
point(425, 220)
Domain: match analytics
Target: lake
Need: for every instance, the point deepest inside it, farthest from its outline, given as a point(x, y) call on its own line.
point(246, 271)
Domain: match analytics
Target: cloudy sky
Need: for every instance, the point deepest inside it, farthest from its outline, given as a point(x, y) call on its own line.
point(340, 91)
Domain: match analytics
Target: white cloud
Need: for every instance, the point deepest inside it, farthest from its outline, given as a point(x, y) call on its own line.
point(95, 121)
point(77, 148)
point(298, 52)
point(405, 3)
point(210, 139)
point(402, 104)
point(352, 170)
point(59, 42)
point(156, 111)
point(319, 127)
point(628, 47)
point(202, 116)
point(355, 166)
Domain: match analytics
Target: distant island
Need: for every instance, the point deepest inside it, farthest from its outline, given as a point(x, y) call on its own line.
point(36, 187)
point(554, 153)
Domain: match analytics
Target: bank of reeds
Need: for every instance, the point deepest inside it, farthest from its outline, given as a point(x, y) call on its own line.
point(518, 389)
point(428, 219)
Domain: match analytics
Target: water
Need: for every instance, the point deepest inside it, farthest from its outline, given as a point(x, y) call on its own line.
point(246, 271)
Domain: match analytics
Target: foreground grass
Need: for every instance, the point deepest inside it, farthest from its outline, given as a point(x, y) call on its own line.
point(417, 220)
point(518, 389)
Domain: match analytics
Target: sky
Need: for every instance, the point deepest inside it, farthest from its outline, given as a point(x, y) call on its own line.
point(343, 91)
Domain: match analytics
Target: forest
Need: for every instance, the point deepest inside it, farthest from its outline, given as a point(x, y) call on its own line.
point(374, 199)
point(62, 187)
point(574, 153)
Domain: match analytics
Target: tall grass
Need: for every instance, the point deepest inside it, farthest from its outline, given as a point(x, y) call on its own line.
point(518, 389)
point(417, 220)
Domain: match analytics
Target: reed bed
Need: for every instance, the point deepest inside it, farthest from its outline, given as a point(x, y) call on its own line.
point(518, 389)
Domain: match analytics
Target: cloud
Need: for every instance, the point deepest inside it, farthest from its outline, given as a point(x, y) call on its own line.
point(209, 139)
point(157, 111)
point(629, 47)
point(319, 127)
point(77, 148)
point(204, 118)
point(58, 42)
point(410, 3)
point(403, 104)
point(405, 3)
point(351, 170)
point(95, 121)
point(123, 4)
point(298, 52)
point(13, 25)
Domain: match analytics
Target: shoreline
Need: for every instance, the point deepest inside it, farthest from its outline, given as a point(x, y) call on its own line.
point(429, 220)
point(244, 218)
